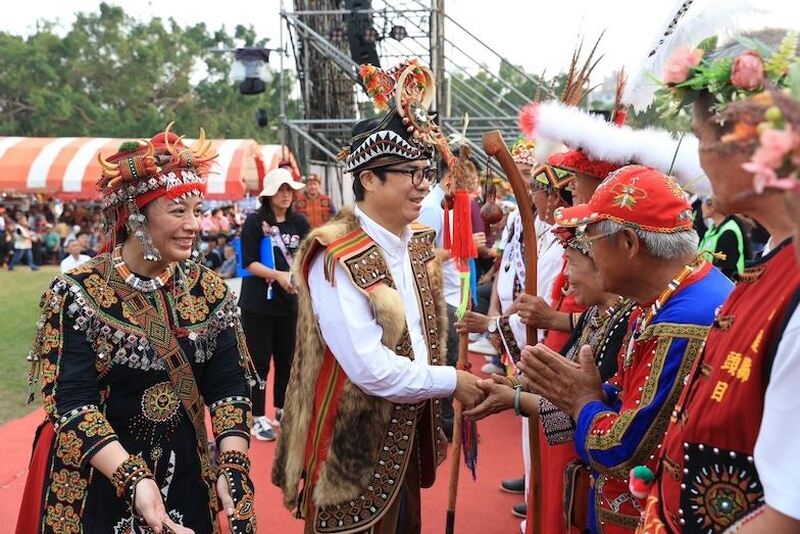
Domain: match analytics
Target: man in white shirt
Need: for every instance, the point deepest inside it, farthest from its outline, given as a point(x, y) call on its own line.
point(74, 256)
point(432, 215)
point(361, 430)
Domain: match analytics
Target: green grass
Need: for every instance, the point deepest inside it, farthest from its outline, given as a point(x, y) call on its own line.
point(19, 310)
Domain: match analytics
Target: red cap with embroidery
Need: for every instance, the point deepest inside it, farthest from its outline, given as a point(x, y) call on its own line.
point(577, 161)
point(635, 196)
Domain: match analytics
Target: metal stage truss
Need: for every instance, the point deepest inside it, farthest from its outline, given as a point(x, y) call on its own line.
point(324, 37)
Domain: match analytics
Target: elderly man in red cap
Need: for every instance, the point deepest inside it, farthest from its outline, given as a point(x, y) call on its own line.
point(638, 229)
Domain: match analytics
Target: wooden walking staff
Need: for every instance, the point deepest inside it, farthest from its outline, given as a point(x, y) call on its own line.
point(463, 251)
point(495, 147)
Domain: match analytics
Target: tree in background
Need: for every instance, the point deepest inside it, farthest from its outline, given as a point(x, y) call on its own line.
point(114, 76)
point(484, 90)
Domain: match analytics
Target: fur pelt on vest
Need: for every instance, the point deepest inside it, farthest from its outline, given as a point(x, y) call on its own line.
point(362, 421)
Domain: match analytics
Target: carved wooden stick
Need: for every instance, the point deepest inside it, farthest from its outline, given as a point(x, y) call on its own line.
point(495, 146)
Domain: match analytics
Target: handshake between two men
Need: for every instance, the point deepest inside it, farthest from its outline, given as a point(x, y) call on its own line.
point(540, 371)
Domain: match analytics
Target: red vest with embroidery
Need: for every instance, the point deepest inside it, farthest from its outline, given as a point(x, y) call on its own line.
point(707, 477)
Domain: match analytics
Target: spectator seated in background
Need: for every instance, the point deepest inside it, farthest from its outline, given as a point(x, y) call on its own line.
point(228, 267)
point(209, 227)
point(76, 229)
point(74, 256)
point(222, 221)
point(83, 238)
point(213, 251)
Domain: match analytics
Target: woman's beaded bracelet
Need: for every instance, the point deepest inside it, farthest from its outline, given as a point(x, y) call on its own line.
point(128, 474)
point(234, 459)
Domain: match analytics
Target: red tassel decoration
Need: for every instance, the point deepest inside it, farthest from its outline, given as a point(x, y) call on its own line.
point(447, 238)
point(463, 245)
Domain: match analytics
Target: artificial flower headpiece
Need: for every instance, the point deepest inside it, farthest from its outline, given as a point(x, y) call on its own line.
point(688, 72)
point(770, 122)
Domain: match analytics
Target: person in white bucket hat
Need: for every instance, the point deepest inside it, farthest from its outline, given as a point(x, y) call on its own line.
point(275, 179)
point(269, 297)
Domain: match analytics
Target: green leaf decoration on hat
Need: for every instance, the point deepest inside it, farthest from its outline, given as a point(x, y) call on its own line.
point(708, 45)
point(129, 146)
point(778, 64)
point(794, 79)
point(755, 45)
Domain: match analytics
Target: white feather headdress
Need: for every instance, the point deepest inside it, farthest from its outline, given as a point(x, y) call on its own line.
point(605, 141)
point(722, 19)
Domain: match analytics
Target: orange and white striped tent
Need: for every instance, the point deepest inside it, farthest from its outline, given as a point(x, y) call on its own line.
point(66, 167)
point(274, 155)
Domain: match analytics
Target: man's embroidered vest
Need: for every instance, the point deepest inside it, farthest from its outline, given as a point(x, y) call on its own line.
point(708, 479)
point(349, 450)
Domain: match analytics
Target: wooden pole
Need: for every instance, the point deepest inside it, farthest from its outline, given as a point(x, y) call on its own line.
point(455, 459)
point(495, 146)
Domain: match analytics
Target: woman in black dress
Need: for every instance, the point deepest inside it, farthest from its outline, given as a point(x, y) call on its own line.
point(269, 297)
point(131, 348)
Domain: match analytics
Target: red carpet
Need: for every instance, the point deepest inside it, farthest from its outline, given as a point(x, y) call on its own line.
point(481, 507)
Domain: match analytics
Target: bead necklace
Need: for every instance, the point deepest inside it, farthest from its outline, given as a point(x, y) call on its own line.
point(643, 322)
point(619, 316)
point(597, 325)
point(139, 284)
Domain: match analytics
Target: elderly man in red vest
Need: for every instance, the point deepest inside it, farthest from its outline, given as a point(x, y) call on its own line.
point(315, 205)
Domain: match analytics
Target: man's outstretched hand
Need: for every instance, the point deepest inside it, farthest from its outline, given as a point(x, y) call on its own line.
point(467, 390)
point(499, 397)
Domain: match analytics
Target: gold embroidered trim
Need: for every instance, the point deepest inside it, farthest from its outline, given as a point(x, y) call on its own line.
point(689, 331)
point(655, 432)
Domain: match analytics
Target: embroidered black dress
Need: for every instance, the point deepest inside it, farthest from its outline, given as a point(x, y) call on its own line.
point(103, 381)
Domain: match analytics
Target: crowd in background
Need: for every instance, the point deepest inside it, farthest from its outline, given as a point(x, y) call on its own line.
point(36, 233)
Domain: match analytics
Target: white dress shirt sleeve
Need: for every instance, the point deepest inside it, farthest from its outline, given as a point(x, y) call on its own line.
point(354, 338)
point(776, 449)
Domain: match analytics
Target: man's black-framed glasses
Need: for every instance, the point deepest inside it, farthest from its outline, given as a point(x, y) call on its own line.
point(431, 174)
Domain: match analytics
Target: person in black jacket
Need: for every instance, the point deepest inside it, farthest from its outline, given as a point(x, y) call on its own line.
point(268, 300)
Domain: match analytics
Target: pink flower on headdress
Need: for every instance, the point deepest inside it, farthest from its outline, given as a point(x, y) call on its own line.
point(776, 149)
point(763, 175)
point(748, 71)
point(774, 145)
point(680, 63)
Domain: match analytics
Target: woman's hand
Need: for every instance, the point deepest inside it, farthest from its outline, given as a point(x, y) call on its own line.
point(225, 496)
point(533, 311)
point(499, 397)
point(149, 505)
point(473, 322)
point(285, 280)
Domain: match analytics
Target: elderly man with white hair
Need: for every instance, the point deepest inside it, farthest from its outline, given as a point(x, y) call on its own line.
point(638, 229)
